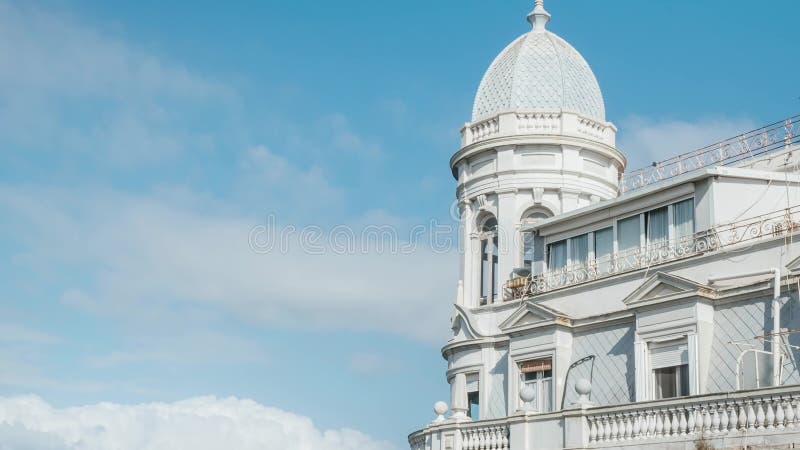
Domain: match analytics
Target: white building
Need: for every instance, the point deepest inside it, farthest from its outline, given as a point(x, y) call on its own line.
point(600, 308)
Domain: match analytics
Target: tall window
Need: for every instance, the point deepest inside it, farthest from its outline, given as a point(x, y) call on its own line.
point(488, 237)
point(657, 227)
point(529, 239)
point(670, 364)
point(557, 255)
point(473, 397)
point(604, 249)
point(683, 219)
point(579, 249)
point(538, 374)
point(628, 234)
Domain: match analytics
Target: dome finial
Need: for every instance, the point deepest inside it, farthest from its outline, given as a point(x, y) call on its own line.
point(539, 16)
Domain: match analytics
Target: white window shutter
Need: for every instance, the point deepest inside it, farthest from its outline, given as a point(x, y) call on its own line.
point(669, 355)
point(472, 382)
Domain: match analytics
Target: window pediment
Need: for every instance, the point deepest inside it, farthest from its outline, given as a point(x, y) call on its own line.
point(663, 287)
point(530, 315)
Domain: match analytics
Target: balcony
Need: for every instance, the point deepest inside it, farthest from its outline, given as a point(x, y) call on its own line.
point(762, 417)
point(720, 238)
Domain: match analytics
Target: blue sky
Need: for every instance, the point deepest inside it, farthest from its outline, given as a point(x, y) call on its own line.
point(141, 142)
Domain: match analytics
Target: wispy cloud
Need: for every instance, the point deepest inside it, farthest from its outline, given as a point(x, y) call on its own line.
point(196, 347)
point(644, 140)
point(199, 423)
point(78, 95)
point(143, 253)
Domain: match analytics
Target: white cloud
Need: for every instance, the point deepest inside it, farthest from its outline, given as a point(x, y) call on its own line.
point(346, 139)
point(151, 257)
point(644, 140)
point(202, 423)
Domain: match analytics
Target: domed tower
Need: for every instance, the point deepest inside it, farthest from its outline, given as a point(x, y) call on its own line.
point(538, 145)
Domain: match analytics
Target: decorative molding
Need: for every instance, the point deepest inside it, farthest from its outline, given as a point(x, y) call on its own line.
point(533, 315)
point(463, 319)
point(793, 266)
point(663, 287)
point(538, 193)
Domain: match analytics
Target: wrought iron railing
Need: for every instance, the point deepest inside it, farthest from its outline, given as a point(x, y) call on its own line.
point(719, 238)
point(767, 139)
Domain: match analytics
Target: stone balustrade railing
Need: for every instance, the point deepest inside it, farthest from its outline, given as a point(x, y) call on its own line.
point(542, 123)
point(487, 437)
point(485, 129)
point(732, 415)
point(463, 434)
point(768, 416)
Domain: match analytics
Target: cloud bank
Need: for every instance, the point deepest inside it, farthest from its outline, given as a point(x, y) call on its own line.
point(202, 423)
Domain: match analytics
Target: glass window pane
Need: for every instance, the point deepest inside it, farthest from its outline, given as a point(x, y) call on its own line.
point(684, 380)
point(628, 233)
point(579, 249)
point(666, 385)
point(495, 277)
point(657, 226)
point(484, 269)
point(603, 242)
point(474, 405)
point(490, 224)
point(527, 254)
point(603, 249)
point(558, 255)
point(683, 218)
point(547, 392)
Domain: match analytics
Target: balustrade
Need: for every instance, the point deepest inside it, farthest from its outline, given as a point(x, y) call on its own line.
point(770, 413)
point(491, 437)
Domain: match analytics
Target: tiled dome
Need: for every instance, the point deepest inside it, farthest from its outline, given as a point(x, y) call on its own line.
point(539, 71)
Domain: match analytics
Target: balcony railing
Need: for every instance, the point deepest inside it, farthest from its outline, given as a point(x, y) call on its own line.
point(719, 238)
point(480, 435)
point(734, 414)
point(767, 139)
point(766, 417)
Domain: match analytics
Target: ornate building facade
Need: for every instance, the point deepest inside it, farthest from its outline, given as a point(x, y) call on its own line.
point(600, 308)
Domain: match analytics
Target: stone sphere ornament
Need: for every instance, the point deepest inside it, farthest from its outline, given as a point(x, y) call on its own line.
point(583, 388)
point(440, 408)
point(527, 394)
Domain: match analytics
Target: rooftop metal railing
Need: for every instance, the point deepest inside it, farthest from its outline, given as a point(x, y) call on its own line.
point(767, 139)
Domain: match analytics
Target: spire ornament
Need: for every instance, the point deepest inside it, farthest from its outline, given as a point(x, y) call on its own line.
point(539, 16)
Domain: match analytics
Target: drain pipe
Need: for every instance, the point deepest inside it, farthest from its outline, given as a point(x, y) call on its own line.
point(776, 314)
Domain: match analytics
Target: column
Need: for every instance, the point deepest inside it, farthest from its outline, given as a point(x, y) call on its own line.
point(642, 370)
point(507, 231)
point(458, 396)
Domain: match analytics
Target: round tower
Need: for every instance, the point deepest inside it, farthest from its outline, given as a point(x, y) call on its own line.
point(538, 144)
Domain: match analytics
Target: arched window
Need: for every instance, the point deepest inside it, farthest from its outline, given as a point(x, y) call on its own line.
point(530, 242)
point(488, 238)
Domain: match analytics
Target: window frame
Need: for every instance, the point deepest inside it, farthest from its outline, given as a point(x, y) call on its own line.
point(526, 219)
point(544, 385)
point(681, 376)
point(615, 229)
point(485, 237)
